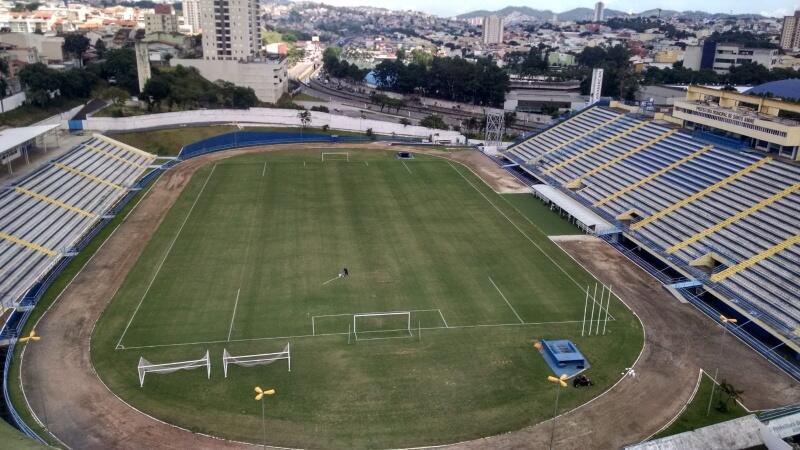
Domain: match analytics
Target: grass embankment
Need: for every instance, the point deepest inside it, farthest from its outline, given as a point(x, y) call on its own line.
point(11, 438)
point(698, 414)
point(255, 239)
point(27, 115)
point(168, 142)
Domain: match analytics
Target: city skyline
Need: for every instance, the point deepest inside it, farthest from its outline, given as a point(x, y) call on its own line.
point(446, 8)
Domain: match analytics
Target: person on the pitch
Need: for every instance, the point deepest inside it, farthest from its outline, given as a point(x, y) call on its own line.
point(345, 272)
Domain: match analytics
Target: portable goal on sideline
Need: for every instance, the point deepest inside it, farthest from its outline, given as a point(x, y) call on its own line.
point(146, 367)
point(255, 360)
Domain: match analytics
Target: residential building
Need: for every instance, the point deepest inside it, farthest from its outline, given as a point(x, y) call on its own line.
point(230, 29)
point(44, 49)
point(232, 50)
point(720, 57)
point(492, 30)
point(162, 20)
point(191, 15)
point(599, 10)
point(790, 35)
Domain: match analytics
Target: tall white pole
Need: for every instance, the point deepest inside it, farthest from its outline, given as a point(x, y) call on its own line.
point(263, 425)
point(608, 305)
point(555, 414)
point(713, 386)
point(600, 311)
point(585, 307)
point(594, 300)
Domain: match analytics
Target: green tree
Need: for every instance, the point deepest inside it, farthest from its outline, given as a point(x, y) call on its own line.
point(156, 90)
point(433, 121)
point(116, 95)
point(305, 118)
point(100, 48)
point(76, 44)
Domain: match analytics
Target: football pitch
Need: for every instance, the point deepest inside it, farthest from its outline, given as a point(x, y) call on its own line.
point(249, 259)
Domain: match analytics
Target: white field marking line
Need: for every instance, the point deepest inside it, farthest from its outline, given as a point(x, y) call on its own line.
point(259, 198)
point(353, 314)
point(344, 333)
point(404, 165)
point(366, 163)
point(166, 255)
point(334, 278)
point(442, 316)
point(507, 302)
point(518, 228)
point(233, 316)
point(683, 408)
point(264, 170)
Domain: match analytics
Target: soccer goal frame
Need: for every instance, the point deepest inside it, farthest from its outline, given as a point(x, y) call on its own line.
point(345, 154)
point(146, 366)
point(257, 359)
point(382, 314)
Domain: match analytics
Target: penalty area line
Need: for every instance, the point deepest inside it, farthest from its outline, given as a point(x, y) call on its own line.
point(344, 333)
point(506, 300)
point(406, 166)
point(233, 316)
point(166, 255)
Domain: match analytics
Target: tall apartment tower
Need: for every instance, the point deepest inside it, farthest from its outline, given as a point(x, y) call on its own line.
point(599, 10)
point(231, 29)
point(492, 30)
point(191, 15)
point(790, 36)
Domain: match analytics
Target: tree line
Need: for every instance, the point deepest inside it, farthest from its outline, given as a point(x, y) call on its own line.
point(748, 73)
point(481, 82)
point(338, 68)
point(115, 78)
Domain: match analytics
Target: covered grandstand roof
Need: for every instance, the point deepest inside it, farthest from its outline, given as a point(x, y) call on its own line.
point(12, 138)
point(581, 213)
point(788, 89)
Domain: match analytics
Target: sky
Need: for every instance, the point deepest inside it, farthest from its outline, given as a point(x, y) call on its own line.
point(773, 8)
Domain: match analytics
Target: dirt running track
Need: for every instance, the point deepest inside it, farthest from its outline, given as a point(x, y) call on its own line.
point(84, 414)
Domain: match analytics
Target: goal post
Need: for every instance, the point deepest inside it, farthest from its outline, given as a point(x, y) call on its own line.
point(146, 366)
point(382, 325)
point(336, 156)
point(257, 359)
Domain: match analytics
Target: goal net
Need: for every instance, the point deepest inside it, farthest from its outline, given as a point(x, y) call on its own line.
point(146, 367)
point(256, 360)
point(335, 156)
point(382, 325)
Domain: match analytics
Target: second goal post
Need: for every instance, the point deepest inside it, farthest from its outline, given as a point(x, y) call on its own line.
point(335, 156)
point(382, 325)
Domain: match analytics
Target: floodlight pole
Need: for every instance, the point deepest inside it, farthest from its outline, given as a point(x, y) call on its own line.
point(713, 386)
point(263, 425)
point(555, 414)
point(585, 307)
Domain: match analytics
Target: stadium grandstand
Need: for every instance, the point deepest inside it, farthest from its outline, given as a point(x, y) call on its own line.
point(720, 228)
point(45, 214)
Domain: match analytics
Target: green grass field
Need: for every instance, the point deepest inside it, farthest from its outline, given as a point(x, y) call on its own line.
point(698, 414)
point(241, 263)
